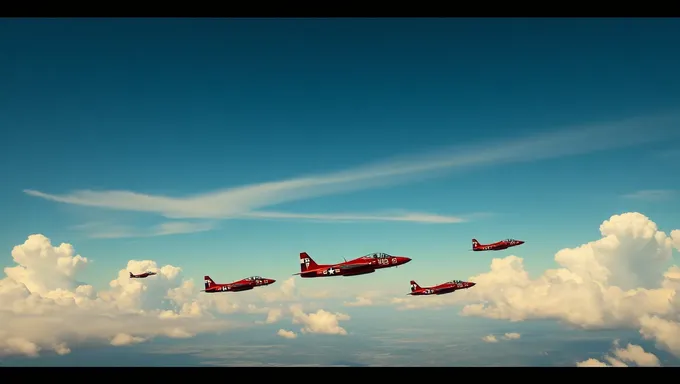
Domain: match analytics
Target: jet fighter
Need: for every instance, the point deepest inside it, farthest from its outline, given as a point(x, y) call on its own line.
point(237, 286)
point(441, 289)
point(497, 246)
point(142, 275)
point(359, 266)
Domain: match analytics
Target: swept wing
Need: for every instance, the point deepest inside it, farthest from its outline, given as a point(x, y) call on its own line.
point(342, 267)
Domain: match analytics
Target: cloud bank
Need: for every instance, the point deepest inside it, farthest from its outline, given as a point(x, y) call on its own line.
point(624, 279)
point(44, 308)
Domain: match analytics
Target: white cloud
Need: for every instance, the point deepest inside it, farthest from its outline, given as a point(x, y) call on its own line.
point(43, 307)
point(274, 315)
point(651, 194)
point(359, 302)
point(634, 354)
point(125, 339)
point(624, 279)
point(286, 334)
point(666, 332)
point(591, 363)
point(507, 336)
point(675, 235)
point(321, 321)
point(415, 217)
point(490, 339)
point(244, 201)
point(608, 282)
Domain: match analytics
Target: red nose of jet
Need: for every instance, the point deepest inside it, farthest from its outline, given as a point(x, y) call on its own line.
point(520, 242)
point(472, 284)
point(271, 281)
point(403, 260)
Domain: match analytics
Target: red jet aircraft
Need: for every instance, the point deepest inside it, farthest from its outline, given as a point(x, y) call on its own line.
point(237, 286)
point(441, 289)
point(359, 266)
point(142, 275)
point(497, 246)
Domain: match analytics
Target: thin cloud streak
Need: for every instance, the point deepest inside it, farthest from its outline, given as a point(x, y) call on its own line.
point(242, 201)
point(102, 230)
point(415, 217)
point(651, 194)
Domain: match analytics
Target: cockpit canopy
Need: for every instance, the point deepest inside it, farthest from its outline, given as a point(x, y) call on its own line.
point(254, 278)
point(455, 281)
point(510, 240)
point(377, 255)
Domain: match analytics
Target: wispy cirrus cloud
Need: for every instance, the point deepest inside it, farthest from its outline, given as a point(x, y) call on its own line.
point(414, 217)
point(652, 194)
point(246, 201)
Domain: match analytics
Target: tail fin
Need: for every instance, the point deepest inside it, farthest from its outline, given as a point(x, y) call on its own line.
point(475, 243)
point(131, 275)
point(414, 285)
point(208, 282)
point(306, 262)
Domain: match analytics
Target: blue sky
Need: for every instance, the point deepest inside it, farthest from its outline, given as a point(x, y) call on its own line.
point(187, 107)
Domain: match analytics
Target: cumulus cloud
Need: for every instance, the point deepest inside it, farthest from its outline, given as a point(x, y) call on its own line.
point(286, 334)
point(43, 306)
point(632, 354)
point(490, 339)
point(274, 315)
point(246, 201)
point(321, 321)
point(507, 336)
point(675, 235)
point(125, 339)
point(360, 301)
point(613, 281)
point(623, 279)
point(591, 363)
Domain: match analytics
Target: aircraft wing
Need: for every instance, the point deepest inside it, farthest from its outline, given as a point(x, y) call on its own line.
point(237, 285)
point(344, 267)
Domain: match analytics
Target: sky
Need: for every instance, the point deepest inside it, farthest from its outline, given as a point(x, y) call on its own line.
point(225, 147)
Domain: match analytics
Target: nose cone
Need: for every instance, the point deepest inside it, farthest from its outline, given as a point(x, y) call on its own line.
point(271, 281)
point(472, 284)
point(520, 242)
point(404, 260)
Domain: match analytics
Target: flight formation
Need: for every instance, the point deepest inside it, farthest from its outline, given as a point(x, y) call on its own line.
point(360, 266)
